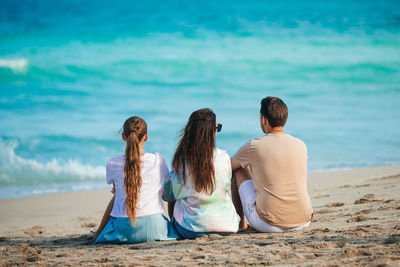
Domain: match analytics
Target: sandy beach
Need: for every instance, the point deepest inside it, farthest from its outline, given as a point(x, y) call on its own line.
point(356, 222)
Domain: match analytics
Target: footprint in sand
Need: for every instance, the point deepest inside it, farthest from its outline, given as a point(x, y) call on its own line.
point(31, 253)
point(350, 253)
point(33, 258)
point(88, 225)
point(362, 185)
point(362, 228)
point(322, 196)
point(335, 204)
point(364, 211)
point(195, 249)
point(322, 211)
point(365, 199)
point(359, 218)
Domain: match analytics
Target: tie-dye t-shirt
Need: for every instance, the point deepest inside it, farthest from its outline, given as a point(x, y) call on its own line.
point(199, 212)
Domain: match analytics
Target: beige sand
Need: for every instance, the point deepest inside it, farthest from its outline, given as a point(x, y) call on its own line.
point(356, 222)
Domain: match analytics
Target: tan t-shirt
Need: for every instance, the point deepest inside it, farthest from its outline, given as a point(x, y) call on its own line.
point(278, 163)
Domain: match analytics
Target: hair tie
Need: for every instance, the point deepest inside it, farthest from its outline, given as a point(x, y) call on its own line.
point(129, 133)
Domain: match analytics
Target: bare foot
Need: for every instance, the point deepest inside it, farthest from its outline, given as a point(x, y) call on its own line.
point(243, 224)
point(243, 227)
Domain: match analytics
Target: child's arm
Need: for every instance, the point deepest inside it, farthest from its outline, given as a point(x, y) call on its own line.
point(105, 219)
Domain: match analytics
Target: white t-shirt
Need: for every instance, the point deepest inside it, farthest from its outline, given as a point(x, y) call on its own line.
point(200, 212)
point(154, 173)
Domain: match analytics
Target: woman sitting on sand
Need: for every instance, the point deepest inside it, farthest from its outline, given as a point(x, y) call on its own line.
point(138, 179)
point(200, 181)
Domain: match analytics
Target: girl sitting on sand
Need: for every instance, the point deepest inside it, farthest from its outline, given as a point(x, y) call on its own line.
point(200, 181)
point(138, 178)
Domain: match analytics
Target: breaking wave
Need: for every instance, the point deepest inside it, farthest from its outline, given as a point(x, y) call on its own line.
point(18, 171)
point(16, 65)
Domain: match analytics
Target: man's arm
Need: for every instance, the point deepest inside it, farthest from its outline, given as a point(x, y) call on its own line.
point(235, 164)
point(243, 156)
point(237, 171)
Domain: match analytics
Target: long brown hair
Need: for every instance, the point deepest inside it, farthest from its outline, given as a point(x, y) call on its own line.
point(134, 129)
point(195, 150)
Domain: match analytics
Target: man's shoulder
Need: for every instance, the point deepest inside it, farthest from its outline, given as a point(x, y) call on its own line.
point(255, 143)
point(296, 140)
point(251, 144)
point(256, 140)
point(267, 140)
point(259, 141)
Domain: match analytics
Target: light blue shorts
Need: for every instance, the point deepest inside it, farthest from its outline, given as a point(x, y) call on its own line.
point(185, 233)
point(154, 227)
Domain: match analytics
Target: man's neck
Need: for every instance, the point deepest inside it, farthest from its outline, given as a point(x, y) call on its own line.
point(276, 130)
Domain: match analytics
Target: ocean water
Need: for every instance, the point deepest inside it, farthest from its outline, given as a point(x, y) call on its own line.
point(72, 71)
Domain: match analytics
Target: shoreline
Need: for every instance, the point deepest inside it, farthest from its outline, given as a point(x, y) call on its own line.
point(356, 220)
point(390, 169)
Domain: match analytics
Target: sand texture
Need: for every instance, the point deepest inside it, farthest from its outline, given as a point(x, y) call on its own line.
point(356, 222)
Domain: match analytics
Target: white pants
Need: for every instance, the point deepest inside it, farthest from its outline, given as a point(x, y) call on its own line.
point(248, 198)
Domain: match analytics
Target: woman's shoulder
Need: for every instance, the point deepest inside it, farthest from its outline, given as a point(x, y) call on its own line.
point(222, 161)
point(221, 153)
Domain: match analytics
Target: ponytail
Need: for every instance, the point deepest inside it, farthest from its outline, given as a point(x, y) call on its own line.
point(134, 130)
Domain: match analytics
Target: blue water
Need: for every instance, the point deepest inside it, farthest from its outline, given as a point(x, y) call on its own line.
point(72, 71)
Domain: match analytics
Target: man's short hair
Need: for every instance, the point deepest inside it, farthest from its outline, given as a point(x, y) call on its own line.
point(275, 110)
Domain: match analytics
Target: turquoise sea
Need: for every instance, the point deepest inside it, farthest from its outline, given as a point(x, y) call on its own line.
point(72, 71)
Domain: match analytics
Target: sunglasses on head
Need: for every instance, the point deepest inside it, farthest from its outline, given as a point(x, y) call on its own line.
point(219, 127)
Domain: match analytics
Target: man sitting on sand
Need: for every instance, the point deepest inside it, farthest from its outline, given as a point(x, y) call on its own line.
point(270, 175)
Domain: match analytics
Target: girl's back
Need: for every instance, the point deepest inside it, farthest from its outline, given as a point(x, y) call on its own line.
point(154, 173)
point(135, 215)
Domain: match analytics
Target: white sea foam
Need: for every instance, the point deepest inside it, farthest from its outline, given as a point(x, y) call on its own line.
point(16, 170)
point(16, 65)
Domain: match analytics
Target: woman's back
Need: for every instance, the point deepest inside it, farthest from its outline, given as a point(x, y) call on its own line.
point(200, 212)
